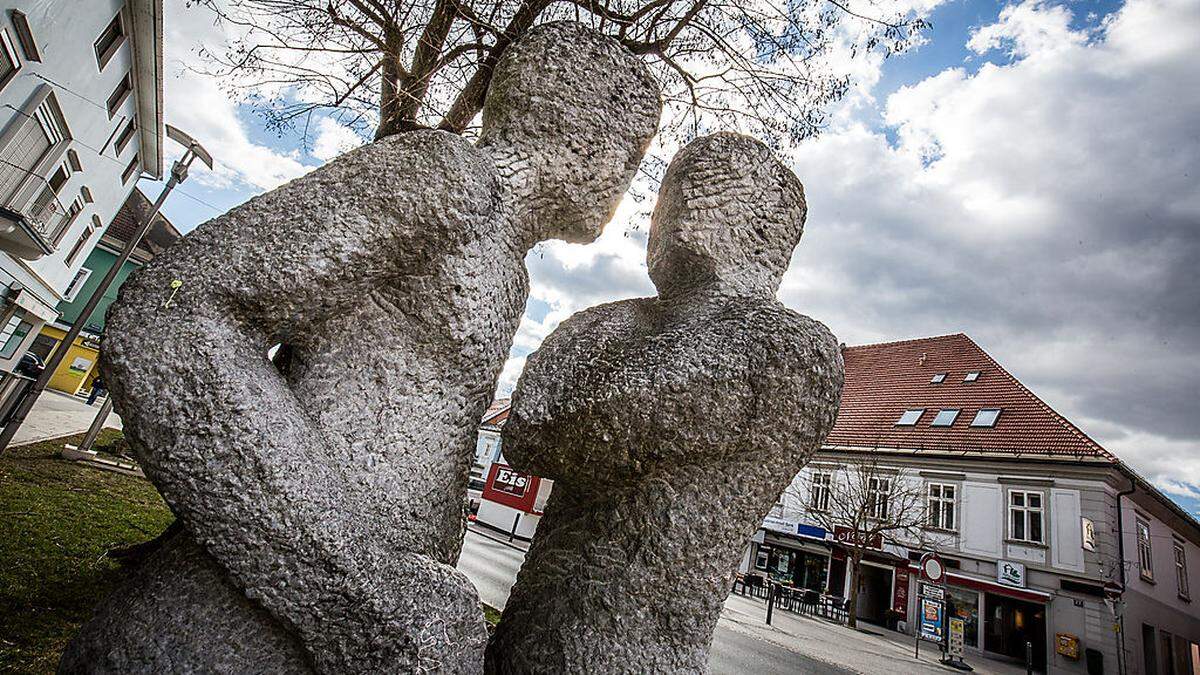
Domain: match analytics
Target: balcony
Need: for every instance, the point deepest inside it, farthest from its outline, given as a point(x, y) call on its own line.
point(30, 220)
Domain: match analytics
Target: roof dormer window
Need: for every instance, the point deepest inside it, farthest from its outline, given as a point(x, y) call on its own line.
point(910, 417)
point(945, 417)
point(986, 417)
point(938, 379)
point(971, 376)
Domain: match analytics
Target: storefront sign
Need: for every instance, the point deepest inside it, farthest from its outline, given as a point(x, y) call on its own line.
point(849, 537)
point(812, 531)
point(932, 612)
point(931, 591)
point(511, 482)
point(513, 489)
point(900, 594)
point(1089, 534)
point(1067, 645)
point(957, 628)
point(1010, 573)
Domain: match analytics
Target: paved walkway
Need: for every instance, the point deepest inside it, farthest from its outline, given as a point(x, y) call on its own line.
point(57, 414)
point(872, 650)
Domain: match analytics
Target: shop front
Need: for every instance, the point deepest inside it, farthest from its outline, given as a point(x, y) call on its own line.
point(796, 563)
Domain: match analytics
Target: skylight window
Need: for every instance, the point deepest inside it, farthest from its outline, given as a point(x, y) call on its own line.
point(971, 376)
point(910, 417)
point(944, 418)
point(986, 417)
point(938, 379)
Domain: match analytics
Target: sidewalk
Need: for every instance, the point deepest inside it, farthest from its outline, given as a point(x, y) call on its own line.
point(57, 414)
point(870, 650)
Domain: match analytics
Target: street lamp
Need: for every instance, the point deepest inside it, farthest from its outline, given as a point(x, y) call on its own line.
point(179, 173)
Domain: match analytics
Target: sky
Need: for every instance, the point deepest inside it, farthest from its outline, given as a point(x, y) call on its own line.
point(1027, 175)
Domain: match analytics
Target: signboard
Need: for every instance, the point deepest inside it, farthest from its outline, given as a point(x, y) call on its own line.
point(1067, 645)
point(513, 488)
point(957, 629)
point(932, 567)
point(1010, 573)
point(80, 364)
point(900, 594)
point(849, 537)
point(812, 531)
point(931, 620)
point(931, 591)
point(1089, 534)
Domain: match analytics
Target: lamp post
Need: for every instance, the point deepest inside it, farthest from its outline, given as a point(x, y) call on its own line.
point(179, 173)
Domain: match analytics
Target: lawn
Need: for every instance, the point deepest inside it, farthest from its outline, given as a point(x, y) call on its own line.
point(57, 519)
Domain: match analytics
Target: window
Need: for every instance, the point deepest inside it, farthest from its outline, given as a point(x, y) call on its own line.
point(910, 417)
point(1145, 557)
point(110, 41)
point(986, 417)
point(878, 497)
point(124, 138)
point(14, 341)
point(944, 418)
point(1181, 577)
point(1025, 516)
point(42, 129)
point(20, 24)
point(941, 506)
point(118, 96)
point(86, 195)
point(971, 376)
point(763, 558)
point(131, 169)
point(822, 484)
point(9, 63)
point(76, 284)
point(938, 379)
point(84, 237)
point(73, 160)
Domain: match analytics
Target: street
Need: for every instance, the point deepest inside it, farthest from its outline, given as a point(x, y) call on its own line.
point(492, 566)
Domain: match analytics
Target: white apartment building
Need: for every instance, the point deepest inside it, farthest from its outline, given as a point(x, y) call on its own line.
point(80, 121)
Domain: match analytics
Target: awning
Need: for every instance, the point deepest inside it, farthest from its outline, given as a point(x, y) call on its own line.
point(1026, 594)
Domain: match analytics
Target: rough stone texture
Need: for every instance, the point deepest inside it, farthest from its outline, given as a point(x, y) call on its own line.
point(669, 425)
point(330, 491)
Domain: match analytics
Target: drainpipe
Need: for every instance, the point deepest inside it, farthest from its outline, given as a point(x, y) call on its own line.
point(1122, 665)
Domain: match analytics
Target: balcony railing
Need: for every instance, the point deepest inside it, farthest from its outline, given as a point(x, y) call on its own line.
point(43, 211)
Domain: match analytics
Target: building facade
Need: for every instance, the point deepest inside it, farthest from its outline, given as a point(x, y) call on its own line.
point(79, 369)
point(80, 121)
point(1051, 542)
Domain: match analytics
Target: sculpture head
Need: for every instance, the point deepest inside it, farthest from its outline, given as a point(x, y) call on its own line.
point(568, 116)
point(728, 213)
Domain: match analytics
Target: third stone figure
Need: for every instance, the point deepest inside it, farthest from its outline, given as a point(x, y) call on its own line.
point(669, 426)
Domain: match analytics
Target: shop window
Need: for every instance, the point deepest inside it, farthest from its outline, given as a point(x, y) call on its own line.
point(1181, 575)
point(822, 485)
point(879, 497)
point(763, 559)
point(942, 506)
point(1145, 553)
point(963, 603)
point(1025, 517)
point(14, 341)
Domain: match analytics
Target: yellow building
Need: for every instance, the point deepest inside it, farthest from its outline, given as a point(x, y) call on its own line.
point(79, 369)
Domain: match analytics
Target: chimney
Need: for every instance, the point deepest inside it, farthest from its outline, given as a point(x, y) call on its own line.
point(924, 356)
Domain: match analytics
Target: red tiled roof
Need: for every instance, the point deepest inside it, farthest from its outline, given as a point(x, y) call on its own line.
point(884, 380)
point(497, 413)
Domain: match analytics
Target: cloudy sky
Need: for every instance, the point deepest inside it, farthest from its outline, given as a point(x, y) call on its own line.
point(1028, 176)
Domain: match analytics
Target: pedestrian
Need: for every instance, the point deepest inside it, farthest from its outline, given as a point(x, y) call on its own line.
point(97, 390)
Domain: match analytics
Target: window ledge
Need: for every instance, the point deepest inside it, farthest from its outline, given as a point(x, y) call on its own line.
point(1185, 598)
point(1030, 544)
point(941, 530)
point(1149, 580)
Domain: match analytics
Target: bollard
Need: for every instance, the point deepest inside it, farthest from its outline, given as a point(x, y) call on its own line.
point(770, 600)
point(1028, 658)
point(516, 521)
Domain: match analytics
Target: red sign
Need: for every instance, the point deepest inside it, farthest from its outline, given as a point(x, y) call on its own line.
point(900, 594)
point(849, 537)
point(512, 488)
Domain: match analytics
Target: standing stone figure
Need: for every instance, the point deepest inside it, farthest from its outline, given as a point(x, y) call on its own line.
point(323, 499)
point(669, 425)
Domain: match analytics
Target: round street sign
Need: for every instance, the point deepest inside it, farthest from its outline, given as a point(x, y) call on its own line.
point(932, 568)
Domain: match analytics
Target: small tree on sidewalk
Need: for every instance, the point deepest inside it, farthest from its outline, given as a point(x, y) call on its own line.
point(878, 505)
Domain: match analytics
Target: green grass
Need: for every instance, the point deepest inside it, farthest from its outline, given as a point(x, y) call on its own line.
point(57, 519)
point(492, 616)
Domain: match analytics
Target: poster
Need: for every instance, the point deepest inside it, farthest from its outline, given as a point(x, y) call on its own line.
point(955, 646)
point(931, 619)
point(900, 594)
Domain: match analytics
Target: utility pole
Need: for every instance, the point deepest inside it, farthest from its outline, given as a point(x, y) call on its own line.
point(179, 173)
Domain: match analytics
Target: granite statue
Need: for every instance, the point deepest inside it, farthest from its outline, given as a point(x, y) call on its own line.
point(669, 425)
point(322, 494)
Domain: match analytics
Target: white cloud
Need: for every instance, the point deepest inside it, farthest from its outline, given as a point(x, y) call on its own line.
point(333, 139)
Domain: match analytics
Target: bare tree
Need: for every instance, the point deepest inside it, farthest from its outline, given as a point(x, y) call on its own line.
point(754, 65)
point(878, 505)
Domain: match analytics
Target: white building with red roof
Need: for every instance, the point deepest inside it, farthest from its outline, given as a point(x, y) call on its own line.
point(1048, 538)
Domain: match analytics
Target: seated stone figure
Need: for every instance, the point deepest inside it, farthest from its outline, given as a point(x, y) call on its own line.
point(670, 425)
point(323, 502)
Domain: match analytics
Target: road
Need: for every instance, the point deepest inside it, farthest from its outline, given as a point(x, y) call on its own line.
point(492, 567)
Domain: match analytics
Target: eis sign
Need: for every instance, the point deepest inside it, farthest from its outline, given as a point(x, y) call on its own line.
point(512, 488)
point(511, 482)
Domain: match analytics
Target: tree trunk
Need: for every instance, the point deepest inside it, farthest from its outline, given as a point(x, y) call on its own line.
point(852, 609)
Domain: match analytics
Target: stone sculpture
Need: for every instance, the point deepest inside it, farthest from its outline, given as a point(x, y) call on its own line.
point(323, 501)
point(669, 425)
